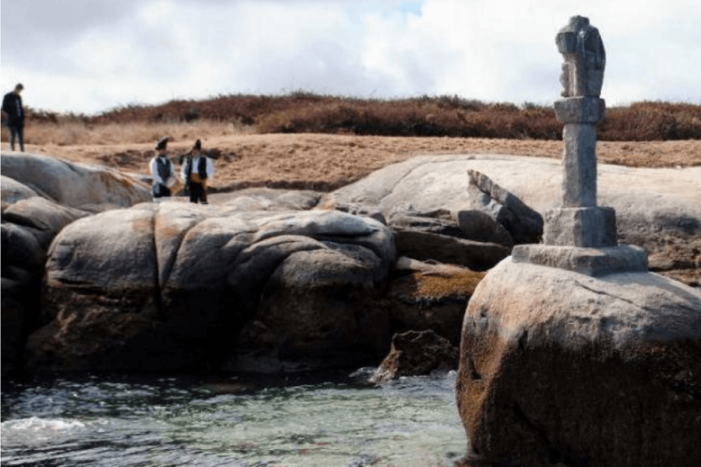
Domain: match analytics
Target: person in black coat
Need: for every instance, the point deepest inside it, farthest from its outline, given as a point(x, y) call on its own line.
point(14, 114)
point(196, 172)
point(162, 171)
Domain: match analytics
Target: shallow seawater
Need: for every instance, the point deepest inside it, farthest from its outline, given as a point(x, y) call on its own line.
point(129, 421)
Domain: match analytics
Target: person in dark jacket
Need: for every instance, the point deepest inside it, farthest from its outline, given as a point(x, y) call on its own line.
point(197, 170)
point(14, 113)
point(162, 171)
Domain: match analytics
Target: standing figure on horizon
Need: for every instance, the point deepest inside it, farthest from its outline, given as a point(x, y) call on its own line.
point(14, 113)
point(196, 172)
point(162, 171)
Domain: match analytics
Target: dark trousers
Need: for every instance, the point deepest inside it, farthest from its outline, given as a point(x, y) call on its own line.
point(198, 193)
point(16, 132)
point(159, 191)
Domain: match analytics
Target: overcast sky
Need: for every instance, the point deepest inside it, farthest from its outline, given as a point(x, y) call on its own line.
point(88, 56)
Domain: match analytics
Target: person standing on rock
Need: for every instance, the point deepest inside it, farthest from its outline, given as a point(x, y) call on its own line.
point(14, 113)
point(196, 172)
point(162, 171)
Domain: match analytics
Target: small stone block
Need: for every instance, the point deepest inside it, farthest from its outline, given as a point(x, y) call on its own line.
point(589, 261)
point(580, 110)
point(593, 227)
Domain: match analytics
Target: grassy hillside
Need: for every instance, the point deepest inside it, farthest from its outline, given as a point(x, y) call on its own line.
point(302, 112)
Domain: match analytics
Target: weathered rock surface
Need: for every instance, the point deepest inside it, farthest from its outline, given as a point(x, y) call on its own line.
point(656, 209)
point(436, 236)
point(182, 280)
point(481, 227)
point(429, 296)
point(476, 236)
point(523, 223)
point(13, 191)
point(416, 353)
point(559, 367)
point(268, 199)
point(40, 196)
point(74, 185)
point(28, 226)
point(362, 210)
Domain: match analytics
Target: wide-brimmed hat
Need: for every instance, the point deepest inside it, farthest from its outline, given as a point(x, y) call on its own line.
point(162, 143)
point(197, 145)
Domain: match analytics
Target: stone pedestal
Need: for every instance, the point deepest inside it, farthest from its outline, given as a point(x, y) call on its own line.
point(589, 261)
point(592, 227)
point(581, 236)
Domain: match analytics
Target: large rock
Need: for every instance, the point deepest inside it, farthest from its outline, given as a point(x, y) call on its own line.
point(27, 228)
point(657, 209)
point(100, 292)
point(183, 280)
point(40, 196)
point(75, 185)
point(41, 217)
point(560, 367)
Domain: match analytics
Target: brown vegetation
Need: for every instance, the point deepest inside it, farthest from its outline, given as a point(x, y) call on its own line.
point(238, 129)
point(453, 116)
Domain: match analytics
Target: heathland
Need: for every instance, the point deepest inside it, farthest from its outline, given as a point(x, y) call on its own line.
point(304, 140)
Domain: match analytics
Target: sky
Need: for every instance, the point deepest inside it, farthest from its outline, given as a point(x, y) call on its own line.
point(90, 56)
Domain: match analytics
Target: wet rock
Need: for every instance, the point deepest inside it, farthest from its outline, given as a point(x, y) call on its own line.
point(40, 196)
point(102, 303)
point(430, 296)
point(190, 277)
point(416, 353)
point(560, 367)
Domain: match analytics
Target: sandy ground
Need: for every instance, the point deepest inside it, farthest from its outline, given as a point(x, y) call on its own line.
point(325, 162)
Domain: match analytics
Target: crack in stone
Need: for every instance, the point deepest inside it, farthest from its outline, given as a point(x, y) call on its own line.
point(601, 292)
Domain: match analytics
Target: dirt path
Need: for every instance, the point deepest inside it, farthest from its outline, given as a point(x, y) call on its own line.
point(325, 162)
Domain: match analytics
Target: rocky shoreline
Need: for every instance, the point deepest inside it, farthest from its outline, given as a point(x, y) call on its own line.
point(97, 277)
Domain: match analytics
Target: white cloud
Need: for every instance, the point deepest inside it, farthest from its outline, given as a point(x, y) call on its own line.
point(496, 50)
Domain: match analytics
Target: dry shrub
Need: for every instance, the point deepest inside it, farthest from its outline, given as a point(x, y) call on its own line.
point(303, 112)
point(650, 121)
point(442, 116)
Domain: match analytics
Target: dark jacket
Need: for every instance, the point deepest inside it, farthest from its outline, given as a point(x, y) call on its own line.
point(12, 105)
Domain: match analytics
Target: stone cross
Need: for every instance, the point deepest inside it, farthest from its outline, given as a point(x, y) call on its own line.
point(585, 58)
point(580, 222)
point(579, 235)
point(582, 78)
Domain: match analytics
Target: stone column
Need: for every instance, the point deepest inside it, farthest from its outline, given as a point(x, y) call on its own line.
point(580, 235)
point(579, 222)
point(580, 115)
